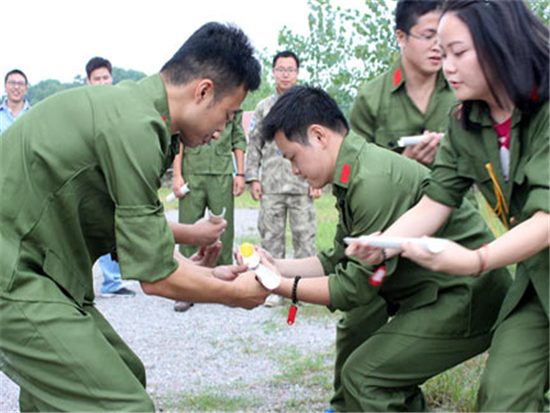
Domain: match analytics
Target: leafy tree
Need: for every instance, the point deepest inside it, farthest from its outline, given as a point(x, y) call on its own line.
point(344, 46)
point(122, 74)
point(541, 8)
point(46, 88)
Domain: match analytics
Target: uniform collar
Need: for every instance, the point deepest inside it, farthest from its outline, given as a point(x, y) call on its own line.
point(154, 87)
point(346, 162)
point(398, 78)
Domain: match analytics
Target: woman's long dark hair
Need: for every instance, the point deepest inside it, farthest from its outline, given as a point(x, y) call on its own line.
point(512, 47)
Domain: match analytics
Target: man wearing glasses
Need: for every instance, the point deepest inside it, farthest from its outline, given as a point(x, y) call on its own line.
point(14, 104)
point(282, 194)
point(412, 98)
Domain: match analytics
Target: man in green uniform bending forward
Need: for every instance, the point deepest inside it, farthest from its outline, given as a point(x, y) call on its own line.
point(80, 175)
point(438, 321)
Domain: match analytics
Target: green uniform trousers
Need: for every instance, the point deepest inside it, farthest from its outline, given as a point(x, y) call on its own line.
point(516, 375)
point(216, 193)
point(385, 371)
point(353, 329)
point(66, 358)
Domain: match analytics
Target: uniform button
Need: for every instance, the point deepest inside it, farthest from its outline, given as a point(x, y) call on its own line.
point(342, 203)
point(513, 221)
point(391, 144)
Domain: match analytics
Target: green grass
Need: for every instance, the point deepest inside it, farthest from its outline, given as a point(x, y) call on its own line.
point(210, 399)
point(308, 378)
point(163, 192)
point(245, 201)
point(456, 389)
point(327, 219)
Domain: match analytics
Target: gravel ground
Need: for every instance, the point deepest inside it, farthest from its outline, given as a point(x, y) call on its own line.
point(208, 348)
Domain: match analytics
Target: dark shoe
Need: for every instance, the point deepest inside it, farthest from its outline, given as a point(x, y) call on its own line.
point(123, 292)
point(182, 306)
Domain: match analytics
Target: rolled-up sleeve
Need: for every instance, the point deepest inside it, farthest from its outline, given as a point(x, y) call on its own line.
point(145, 243)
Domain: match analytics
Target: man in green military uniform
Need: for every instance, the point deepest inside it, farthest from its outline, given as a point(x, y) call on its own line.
point(413, 97)
point(80, 175)
point(208, 171)
point(438, 321)
point(410, 99)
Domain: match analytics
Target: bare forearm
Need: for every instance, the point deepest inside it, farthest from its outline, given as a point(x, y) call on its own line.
point(424, 219)
point(184, 233)
point(304, 267)
point(520, 243)
point(309, 290)
point(177, 163)
point(239, 160)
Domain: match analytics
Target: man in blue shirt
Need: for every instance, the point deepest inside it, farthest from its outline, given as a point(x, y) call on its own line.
point(14, 104)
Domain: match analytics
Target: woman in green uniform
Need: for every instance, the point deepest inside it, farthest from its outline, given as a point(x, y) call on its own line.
point(496, 58)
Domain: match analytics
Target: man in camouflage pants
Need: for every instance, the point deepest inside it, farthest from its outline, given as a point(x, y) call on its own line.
point(281, 193)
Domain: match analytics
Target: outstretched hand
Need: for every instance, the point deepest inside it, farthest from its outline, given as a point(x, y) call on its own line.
point(207, 232)
point(207, 256)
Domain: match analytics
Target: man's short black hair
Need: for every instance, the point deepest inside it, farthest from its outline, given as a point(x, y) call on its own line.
point(297, 109)
point(221, 53)
point(96, 63)
point(286, 53)
point(18, 72)
point(407, 12)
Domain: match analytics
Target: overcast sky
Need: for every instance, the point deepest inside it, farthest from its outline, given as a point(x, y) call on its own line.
point(53, 39)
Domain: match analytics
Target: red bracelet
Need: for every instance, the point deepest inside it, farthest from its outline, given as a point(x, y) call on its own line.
point(483, 257)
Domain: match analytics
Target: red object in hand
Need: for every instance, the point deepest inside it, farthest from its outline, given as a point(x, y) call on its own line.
point(378, 277)
point(291, 314)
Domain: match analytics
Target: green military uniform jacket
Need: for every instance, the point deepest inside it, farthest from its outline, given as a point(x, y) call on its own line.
point(383, 111)
point(216, 158)
point(461, 161)
point(373, 188)
point(80, 174)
